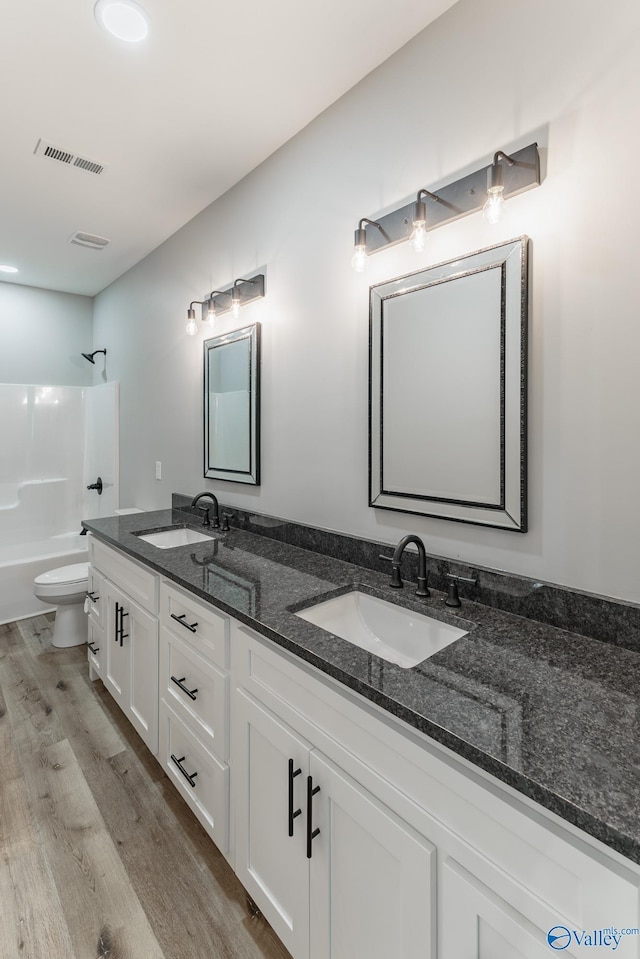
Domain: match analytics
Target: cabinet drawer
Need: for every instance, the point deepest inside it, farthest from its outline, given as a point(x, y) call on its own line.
point(95, 645)
point(208, 791)
point(197, 690)
point(139, 583)
point(95, 593)
point(206, 630)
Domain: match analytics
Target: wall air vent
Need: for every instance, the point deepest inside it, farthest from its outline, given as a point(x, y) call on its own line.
point(65, 156)
point(90, 240)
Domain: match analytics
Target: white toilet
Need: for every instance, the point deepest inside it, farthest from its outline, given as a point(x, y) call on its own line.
point(66, 587)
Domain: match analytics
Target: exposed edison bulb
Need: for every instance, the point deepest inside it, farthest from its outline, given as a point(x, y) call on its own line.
point(418, 238)
point(235, 306)
point(211, 315)
point(492, 210)
point(191, 327)
point(359, 258)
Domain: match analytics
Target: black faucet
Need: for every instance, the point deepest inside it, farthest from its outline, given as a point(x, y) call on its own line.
point(396, 559)
point(216, 516)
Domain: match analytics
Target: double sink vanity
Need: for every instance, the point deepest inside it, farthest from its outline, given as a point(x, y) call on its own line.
point(385, 775)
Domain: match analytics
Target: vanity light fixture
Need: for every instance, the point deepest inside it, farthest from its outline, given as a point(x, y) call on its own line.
point(418, 238)
point(485, 189)
point(359, 258)
point(492, 210)
point(219, 302)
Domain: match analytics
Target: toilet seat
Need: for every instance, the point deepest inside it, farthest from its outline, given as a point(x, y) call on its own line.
point(64, 579)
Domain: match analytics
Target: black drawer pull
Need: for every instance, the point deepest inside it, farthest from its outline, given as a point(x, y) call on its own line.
point(311, 832)
point(181, 619)
point(191, 693)
point(93, 597)
point(94, 649)
point(298, 812)
point(188, 776)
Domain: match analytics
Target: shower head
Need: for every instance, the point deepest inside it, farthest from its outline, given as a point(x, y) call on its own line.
point(90, 356)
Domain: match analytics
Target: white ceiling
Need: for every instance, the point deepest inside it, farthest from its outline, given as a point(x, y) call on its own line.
point(176, 120)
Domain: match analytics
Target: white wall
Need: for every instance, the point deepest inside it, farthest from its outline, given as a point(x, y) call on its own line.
point(42, 334)
point(489, 74)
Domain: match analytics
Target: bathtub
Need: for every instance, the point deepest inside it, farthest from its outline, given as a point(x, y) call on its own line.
point(20, 563)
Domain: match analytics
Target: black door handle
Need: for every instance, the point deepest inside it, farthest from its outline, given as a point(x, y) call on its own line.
point(311, 832)
point(298, 812)
point(97, 486)
point(188, 776)
point(191, 693)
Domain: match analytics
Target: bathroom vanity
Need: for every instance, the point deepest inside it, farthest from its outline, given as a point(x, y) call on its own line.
point(462, 808)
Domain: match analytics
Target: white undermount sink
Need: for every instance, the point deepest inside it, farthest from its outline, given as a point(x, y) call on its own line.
point(168, 538)
point(391, 632)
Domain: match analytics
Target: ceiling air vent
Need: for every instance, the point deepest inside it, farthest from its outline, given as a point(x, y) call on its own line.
point(90, 240)
point(65, 156)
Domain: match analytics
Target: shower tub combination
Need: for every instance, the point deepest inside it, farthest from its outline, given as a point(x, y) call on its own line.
point(49, 437)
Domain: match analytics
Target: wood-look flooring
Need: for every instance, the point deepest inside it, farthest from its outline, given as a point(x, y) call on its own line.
point(100, 858)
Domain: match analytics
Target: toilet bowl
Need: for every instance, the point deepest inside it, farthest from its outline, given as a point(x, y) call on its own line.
point(66, 587)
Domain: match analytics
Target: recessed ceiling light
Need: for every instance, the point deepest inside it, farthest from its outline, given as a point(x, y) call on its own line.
point(5, 268)
point(124, 19)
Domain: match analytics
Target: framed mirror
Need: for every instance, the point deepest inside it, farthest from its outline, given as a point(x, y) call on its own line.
point(232, 406)
point(448, 390)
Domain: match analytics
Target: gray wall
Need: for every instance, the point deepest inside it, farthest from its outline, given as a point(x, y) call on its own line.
point(42, 334)
point(489, 74)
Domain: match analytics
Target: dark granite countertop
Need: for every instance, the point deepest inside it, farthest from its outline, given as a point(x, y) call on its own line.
point(551, 713)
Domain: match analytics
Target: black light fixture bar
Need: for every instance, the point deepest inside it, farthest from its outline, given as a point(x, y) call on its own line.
point(457, 199)
point(243, 290)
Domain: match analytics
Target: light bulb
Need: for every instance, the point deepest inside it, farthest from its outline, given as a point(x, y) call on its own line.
point(418, 238)
point(235, 305)
point(211, 315)
point(492, 210)
point(359, 258)
point(191, 327)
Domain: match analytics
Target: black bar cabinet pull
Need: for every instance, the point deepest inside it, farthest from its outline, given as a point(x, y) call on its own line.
point(93, 597)
point(191, 693)
point(298, 812)
point(181, 619)
point(123, 635)
point(311, 832)
point(117, 622)
point(188, 776)
point(94, 649)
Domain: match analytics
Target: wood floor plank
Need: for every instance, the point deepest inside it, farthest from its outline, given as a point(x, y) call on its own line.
point(18, 830)
point(35, 926)
point(36, 633)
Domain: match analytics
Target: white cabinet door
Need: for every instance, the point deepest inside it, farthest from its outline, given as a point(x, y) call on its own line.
point(131, 672)
point(271, 769)
point(478, 924)
point(116, 671)
point(143, 685)
point(372, 876)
